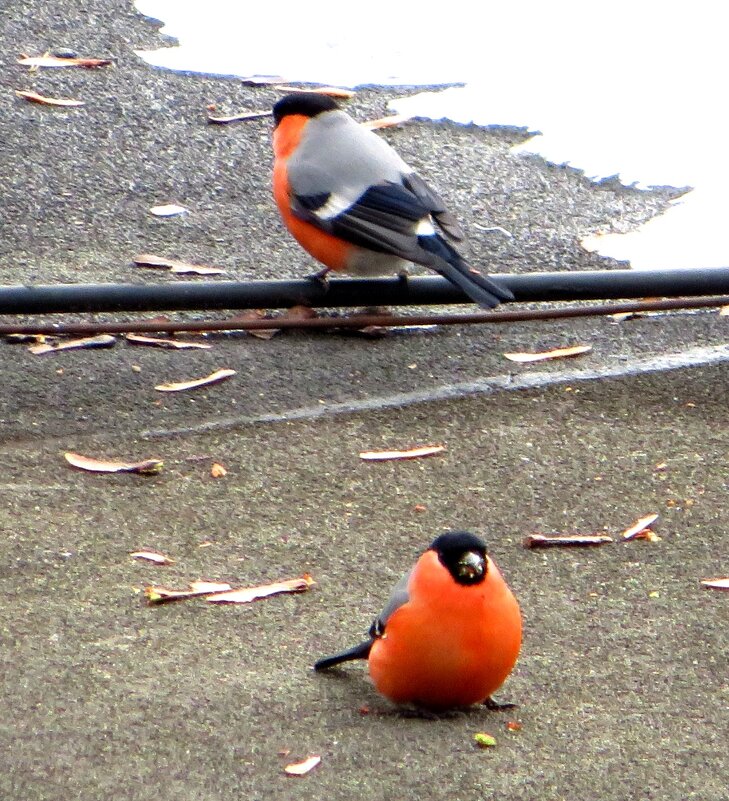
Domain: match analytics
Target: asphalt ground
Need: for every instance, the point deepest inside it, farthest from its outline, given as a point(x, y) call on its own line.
point(622, 683)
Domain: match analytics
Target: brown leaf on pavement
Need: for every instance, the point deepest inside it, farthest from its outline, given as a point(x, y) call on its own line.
point(302, 768)
point(168, 210)
point(58, 61)
point(152, 556)
point(716, 583)
point(15, 339)
point(620, 317)
point(565, 540)
point(413, 453)
point(159, 595)
point(170, 344)
point(386, 122)
point(241, 117)
point(329, 91)
point(218, 471)
point(639, 529)
point(247, 594)
point(90, 464)
point(100, 341)
point(180, 386)
point(249, 315)
point(222, 592)
point(557, 353)
point(174, 265)
point(34, 97)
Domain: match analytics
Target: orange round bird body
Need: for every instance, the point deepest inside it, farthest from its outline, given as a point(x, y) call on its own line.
point(451, 633)
point(352, 202)
point(450, 645)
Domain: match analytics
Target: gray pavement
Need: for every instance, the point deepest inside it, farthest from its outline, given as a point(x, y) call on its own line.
point(622, 684)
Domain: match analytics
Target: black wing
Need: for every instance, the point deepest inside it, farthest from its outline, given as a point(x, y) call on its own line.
point(383, 219)
point(362, 651)
point(387, 218)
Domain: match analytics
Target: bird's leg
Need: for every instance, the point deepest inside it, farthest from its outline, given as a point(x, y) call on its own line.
point(321, 278)
point(402, 279)
point(495, 706)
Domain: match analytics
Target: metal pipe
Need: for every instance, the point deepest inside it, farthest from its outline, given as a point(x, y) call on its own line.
point(358, 321)
point(418, 291)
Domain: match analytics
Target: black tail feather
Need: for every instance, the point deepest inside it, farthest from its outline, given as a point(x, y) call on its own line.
point(451, 265)
point(361, 651)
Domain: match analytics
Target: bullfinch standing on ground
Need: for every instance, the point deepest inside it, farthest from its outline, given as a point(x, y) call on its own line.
point(450, 634)
point(356, 206)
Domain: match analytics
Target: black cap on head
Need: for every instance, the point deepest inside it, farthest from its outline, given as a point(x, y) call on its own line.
point(463, 554)
point(309, 104)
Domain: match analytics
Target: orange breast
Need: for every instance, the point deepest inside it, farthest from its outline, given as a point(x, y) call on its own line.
point(450, 645)
point(324, 247)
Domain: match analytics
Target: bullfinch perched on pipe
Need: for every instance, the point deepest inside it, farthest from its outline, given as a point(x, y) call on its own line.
point(449, 635)
point(356, 206)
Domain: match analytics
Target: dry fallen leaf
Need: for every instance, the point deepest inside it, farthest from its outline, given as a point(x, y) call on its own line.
point(100, 341)
point(224, 593)
point(218, 471)
point(244, 115)
point(255, 314)
point(330, 91)
point(158, 595)
point(544, 541)
point(167, 210)
point(146, 467)
point(302, 768)
point(557, 353)
point(413, 453)
point(58, 61)
point(386, 122)
point(299, 312)
point(14, 339)
point(152, 556)
point(170, 344)
point(620, 317)
point(639, 527)
point(716, 583)
point(174, 265)
point(247, 594)
point(179, 386)
point(34, 97)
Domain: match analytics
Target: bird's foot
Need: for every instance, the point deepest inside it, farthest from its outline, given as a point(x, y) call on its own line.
point(495, 706)
point(321, 278)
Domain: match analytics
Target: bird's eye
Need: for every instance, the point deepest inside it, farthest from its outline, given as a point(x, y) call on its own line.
point(471, 566)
